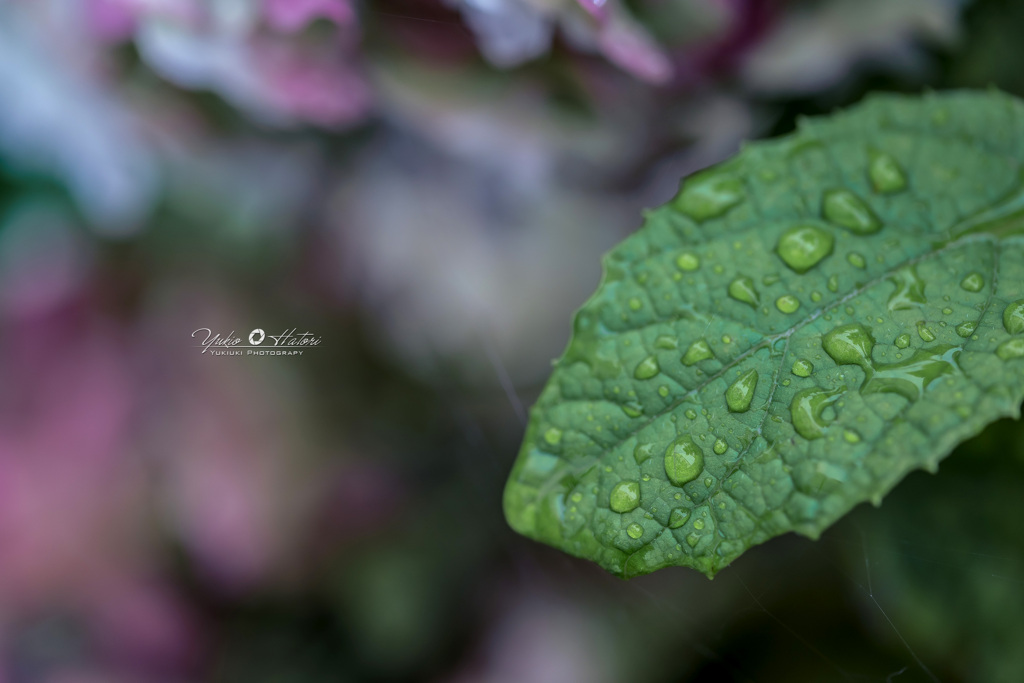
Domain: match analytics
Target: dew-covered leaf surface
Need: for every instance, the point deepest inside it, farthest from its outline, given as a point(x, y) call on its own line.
point(790, 336)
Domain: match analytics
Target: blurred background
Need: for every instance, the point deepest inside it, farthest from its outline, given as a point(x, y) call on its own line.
point(427, 185)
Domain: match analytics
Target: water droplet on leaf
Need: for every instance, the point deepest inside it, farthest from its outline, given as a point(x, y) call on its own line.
point(886, 174)
point(803, 368)
point(973, 282)
point(625, 496)
point(849, 344)
point(643, 452)
point(647, 368)
point(806, 410)
point(787, 303)
point(678, 518)
point(909, 292)
point(741, 393)
point(684, 461)
point(846, 209)
point(666, 342)
point(742, 289)
point(1011, 348)
point(631, 409)
point(709, 197)
point(966, 329)
point(698, 351)
point(553, 436)
point(910, 378)
point(688, 261)
point(1013, 317)
point(804, 246)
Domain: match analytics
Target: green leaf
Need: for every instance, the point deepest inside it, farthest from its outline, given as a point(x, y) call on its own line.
point(790, 336)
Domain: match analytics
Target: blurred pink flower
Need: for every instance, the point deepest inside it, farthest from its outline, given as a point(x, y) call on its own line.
point(277, 77)
point(595, 8)
point(253, 52)
point(68, 491)
point(235, 487)
point(317, 89)
point(142, 624)
point(292, 15)
point(511, 32)
point(111, 20)
point(626, 44)
point(73, 512)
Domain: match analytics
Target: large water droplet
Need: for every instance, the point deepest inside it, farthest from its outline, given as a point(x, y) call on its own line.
point(698, 351)
point(684, 461)
point(647, 368)
point(1011, 348)
point(709, 197)
point(678, 517)
point(885, 173)
point(849, 345)
point(973, 282)
point(909, 291)
point(666, 342)
point(634, 530)
point(966, 329)
point(625, 496)
point(631, 409)
point(846, 209)
point(688, 261)
point(806, 410)
point(742, 289)
point(925, 332)
point(787, 303)
point(643, 452)
point(553, 436)
point(804, 246)
point(720, 446)
point(1013, 317)
point(741, 393)
point(857, 260)
point(902, 341)
point(909, 378)
point(803, 368)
